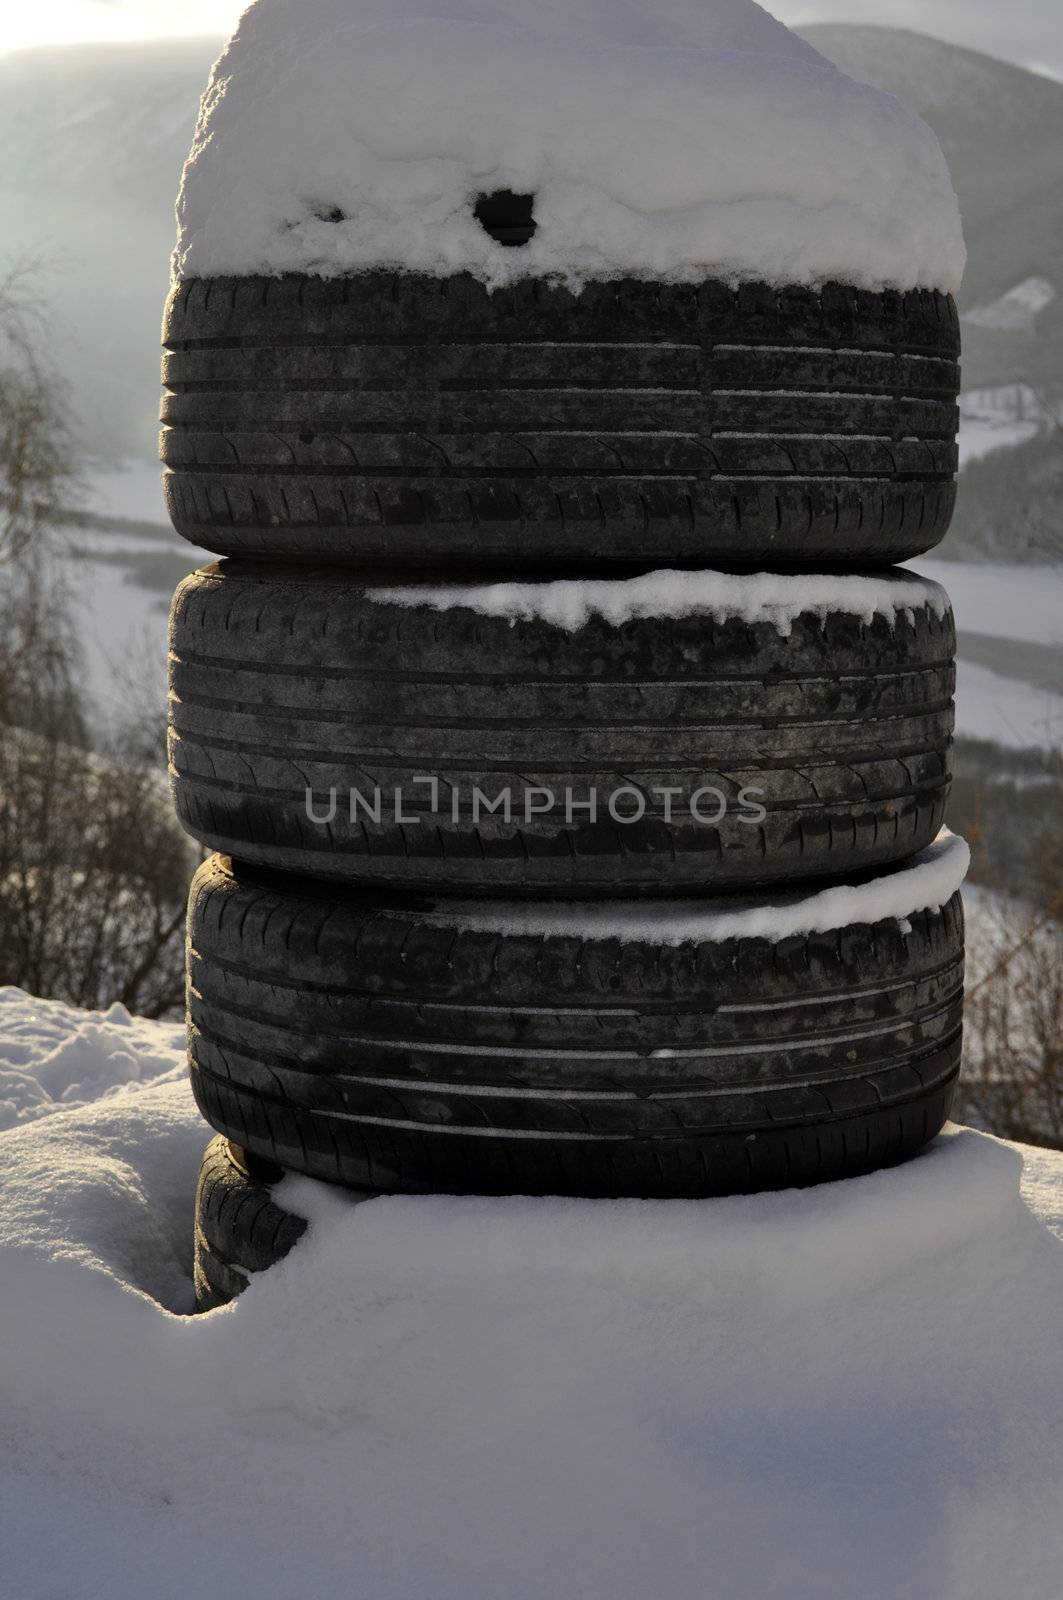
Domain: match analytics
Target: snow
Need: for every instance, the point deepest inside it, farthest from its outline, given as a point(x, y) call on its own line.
point(997, 598)
point(1017, 310)
point(53, 1057)
point(121, 628)
point(999, 419)
point(769, 597)
point(467, 1398)
point(674, 141)
point(1012, 713)
point(131, 489)
point(119, 581)
point(1041, 1188)
point(926, 882)
point(1004, 604)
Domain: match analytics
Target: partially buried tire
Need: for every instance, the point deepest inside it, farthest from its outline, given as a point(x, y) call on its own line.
point(401, 420)
point(420, 1046)
point(240, 1229)
point(520, 742)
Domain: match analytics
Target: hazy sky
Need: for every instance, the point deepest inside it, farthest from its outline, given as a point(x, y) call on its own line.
point(1027, 31)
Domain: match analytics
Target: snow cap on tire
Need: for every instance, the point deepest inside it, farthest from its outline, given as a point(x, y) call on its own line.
point(670, 141)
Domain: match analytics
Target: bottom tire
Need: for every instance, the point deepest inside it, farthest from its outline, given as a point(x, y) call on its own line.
point(415, 1045)
point(239, 1227)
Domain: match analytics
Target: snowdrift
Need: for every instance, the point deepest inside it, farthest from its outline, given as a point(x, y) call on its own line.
point(847, 1390)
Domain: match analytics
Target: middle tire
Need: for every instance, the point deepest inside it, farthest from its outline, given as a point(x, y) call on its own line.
point(729, 732)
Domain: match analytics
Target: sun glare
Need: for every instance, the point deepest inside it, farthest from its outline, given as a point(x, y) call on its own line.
point(84, 21)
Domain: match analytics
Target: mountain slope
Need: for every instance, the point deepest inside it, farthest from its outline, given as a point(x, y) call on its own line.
point(1002, 132)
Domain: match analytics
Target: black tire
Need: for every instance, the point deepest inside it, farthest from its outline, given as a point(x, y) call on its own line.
point(398, 419)
point(239, 1227)
point(391, 1045)
point(283, 685)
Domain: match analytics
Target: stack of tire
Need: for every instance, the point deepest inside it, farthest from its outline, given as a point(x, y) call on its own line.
point(433, 996)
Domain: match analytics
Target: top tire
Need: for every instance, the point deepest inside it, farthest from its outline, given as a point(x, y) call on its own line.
point(392, 420)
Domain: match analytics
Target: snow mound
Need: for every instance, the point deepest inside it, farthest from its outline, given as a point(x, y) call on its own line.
point(770, 597)
point(678, 140)
point(926, 882)
point(467, 1398)
point(53, 1057)
point(109, 1187)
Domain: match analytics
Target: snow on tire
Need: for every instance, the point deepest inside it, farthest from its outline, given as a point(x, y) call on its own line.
point(396, 418)
point(239, 1227)
point(406, 1044)
point(411, 739)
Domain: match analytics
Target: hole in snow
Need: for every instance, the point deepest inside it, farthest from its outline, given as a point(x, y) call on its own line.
point(506, 216)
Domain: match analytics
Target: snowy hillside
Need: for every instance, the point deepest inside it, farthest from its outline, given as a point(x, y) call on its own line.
point(850, 1389)
point(1002, 132)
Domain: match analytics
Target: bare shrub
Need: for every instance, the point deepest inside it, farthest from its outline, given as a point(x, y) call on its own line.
point(37, 477)
point(93, 877)
point(93, 866)
point(1012, 1083)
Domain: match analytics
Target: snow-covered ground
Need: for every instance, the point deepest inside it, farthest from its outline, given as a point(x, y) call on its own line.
point(132, 490)
point(852, 1390)
point(999, 419)
point(121, 623)
point(1016, 715)
point(54, 1057)
point(1010, 602)
point(120, 578)
point(998, 607)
